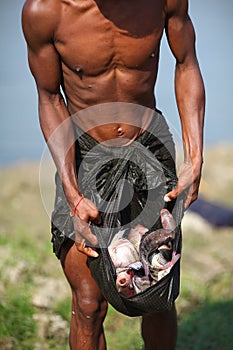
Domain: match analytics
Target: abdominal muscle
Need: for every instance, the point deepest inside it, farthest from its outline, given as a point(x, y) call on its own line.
point(115, 120)
point(115, 63)
point(115, 134)
point(114, 123)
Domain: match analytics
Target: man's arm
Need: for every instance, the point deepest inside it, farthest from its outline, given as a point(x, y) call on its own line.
point(190, 97)
point(39, 22)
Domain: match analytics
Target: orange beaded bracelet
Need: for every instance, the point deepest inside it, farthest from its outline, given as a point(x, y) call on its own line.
point(76, 206)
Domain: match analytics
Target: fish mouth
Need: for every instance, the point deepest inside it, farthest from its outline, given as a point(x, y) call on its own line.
point(122, 282)
point(166, 241)
point(166, 246)
point(165, 250)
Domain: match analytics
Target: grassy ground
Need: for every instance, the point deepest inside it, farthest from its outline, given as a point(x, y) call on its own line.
point(28, 269)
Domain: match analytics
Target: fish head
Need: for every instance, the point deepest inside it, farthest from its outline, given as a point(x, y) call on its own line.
point(162, 237)
point(124, 283)
point(151, 244)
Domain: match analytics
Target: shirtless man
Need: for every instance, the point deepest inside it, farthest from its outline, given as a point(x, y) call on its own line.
point(108, 51)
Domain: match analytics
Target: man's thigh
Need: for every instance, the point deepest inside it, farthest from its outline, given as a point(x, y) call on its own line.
point(77, 272)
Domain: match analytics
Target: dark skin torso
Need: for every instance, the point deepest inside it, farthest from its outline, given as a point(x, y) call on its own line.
point(107, 53)
point(126, 69)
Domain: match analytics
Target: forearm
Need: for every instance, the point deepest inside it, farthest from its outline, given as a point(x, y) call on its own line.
point(58, 132)
point(190, 97)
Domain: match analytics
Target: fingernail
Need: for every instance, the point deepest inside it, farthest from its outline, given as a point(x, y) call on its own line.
point(166, 198)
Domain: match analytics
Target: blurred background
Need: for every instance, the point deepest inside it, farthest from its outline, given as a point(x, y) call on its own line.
point(35, 298)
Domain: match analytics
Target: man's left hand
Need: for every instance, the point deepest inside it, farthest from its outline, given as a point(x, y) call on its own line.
point(188, 184)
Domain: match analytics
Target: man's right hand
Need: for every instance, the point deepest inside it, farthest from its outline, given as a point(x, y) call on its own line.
point(85, 214)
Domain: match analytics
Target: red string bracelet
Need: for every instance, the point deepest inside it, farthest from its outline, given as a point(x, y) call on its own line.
point(76, 206)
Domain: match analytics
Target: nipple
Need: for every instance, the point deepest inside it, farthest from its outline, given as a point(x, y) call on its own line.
point(79, 70)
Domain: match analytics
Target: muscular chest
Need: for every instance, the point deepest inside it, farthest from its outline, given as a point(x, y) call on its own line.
point(95, 36)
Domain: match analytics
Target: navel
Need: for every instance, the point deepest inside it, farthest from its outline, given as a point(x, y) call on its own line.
point(119, 132)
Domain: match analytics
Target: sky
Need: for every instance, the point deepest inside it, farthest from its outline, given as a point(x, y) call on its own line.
point(20, 135)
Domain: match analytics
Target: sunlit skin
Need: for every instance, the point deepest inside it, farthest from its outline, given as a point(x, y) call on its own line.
point(108, 51)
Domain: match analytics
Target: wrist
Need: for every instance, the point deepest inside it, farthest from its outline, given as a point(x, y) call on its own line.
point(72, 192)
point(73, 197)
point(75, 207)
point(196, 159)
point(193, 151)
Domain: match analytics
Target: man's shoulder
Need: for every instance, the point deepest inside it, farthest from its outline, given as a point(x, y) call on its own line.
point(38, 9)
point(40, 18)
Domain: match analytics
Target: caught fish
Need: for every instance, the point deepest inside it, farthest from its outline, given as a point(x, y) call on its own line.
point(167, 220)
point(140, 257)
point(158, 242)
point(124, 283)
point(135, 235)
point(122, 251)
point(140, 281)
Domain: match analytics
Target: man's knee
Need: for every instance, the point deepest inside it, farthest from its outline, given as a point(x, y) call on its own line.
point(89, 308)
point(88, 305)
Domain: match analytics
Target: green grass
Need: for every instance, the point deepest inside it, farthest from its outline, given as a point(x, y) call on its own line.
point(220, 288)
point(122, 332)
point(206, 321)
point(17, 326)
point(209, 327)
point(63, 308)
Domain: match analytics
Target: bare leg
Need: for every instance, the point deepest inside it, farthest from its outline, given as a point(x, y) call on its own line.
point(88, 305)
point(159, 330)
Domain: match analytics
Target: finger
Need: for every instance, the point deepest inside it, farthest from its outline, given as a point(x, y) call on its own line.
point(171, 195)
point(86, 232)
point(82, 229)
point(81, 247)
